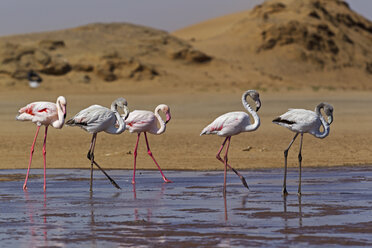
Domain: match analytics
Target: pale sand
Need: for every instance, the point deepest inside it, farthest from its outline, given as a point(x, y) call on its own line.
point(181, 147)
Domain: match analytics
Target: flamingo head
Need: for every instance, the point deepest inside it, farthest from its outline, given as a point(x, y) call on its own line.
point(62, 103)
point(166, 110)
point(256, 97)
point(123, 104)
point(328, 110)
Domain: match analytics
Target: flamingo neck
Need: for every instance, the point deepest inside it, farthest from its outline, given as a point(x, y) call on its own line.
point(256, 118)
point(161, 121)
point(325, 124)
point(61, 116)
point(114, 129)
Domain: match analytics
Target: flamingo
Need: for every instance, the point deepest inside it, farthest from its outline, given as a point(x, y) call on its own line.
point(303, 121)
point(233, 123)
point(95, 119)
point(143, 121)
point(43, 113)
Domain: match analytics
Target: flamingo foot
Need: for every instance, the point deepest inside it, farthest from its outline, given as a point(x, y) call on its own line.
point(284, 192)
point(44, 188)
point(167, 180)
point(133, 182)
point(24, 186)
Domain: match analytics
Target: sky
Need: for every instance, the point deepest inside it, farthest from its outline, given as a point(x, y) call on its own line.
point(27, 16)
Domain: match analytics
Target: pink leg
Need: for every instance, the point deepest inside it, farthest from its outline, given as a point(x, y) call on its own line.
point(219, 151)
point(150, 153)
point(235, 171)
point(225, 158)
point(135, 159)
point(29, 163)
point(44, 156)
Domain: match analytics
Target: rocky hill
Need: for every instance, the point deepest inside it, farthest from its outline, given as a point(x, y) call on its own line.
point(111, 52)
point(321, 43)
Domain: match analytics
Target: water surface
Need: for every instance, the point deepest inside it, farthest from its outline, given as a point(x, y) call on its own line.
point(334, 210)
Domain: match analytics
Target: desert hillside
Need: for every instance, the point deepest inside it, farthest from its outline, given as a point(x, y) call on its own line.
point(293, 44)
point(279, 45)
point(97, 54)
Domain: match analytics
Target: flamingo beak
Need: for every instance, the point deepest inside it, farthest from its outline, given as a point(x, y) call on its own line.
point(258, 105)
point(330, 119)
point(126, 112)
point(168, 117)
point(64, 111)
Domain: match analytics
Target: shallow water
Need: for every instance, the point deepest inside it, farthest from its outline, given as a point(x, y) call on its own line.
point(334, 210)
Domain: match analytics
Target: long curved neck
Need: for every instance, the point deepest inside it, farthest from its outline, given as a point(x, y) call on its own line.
point(61, 116)
point(325, 124)
point(256, 118)
point(161, 121)
point(114, 129)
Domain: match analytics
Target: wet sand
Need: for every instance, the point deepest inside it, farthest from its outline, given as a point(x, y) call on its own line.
point(181, 147)
point(334, 210)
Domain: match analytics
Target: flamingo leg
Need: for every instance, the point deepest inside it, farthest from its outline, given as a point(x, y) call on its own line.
point(235, 171)
point(31, 153)
point(225, 169)
point(300, 168)
point(135, 159)
point(44, 155)
point(150, 153)
point(91, 158)
point(284, 190)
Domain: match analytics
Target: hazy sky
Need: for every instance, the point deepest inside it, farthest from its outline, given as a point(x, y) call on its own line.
point(25, 16)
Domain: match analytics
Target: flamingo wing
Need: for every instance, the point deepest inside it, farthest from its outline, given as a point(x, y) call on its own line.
point(95, 118)
point(140, 121)
point(298, 120)
point(38, 112)
point(228, 124)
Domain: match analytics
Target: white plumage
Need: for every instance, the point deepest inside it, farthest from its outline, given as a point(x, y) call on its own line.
point(95, 119)
point(300, 121)
point(228, 124)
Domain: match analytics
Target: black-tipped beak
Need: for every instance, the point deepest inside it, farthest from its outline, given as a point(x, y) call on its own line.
point(126, 111)
point(258, 105)
point(330, 120)
point(64, 116)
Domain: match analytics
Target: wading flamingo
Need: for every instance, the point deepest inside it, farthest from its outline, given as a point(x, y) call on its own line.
point(95, 119)
point(144, 121)
point(234, 123)
point(43, 113)
point(304, 121)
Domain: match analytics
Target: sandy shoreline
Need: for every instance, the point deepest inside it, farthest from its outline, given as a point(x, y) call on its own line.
point(181, 147)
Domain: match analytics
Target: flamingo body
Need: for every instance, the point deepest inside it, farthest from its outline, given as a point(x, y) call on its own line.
point(43, 113)
point(228, 124)
point(142, 121)
point(95, 119)
point(300, 121)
